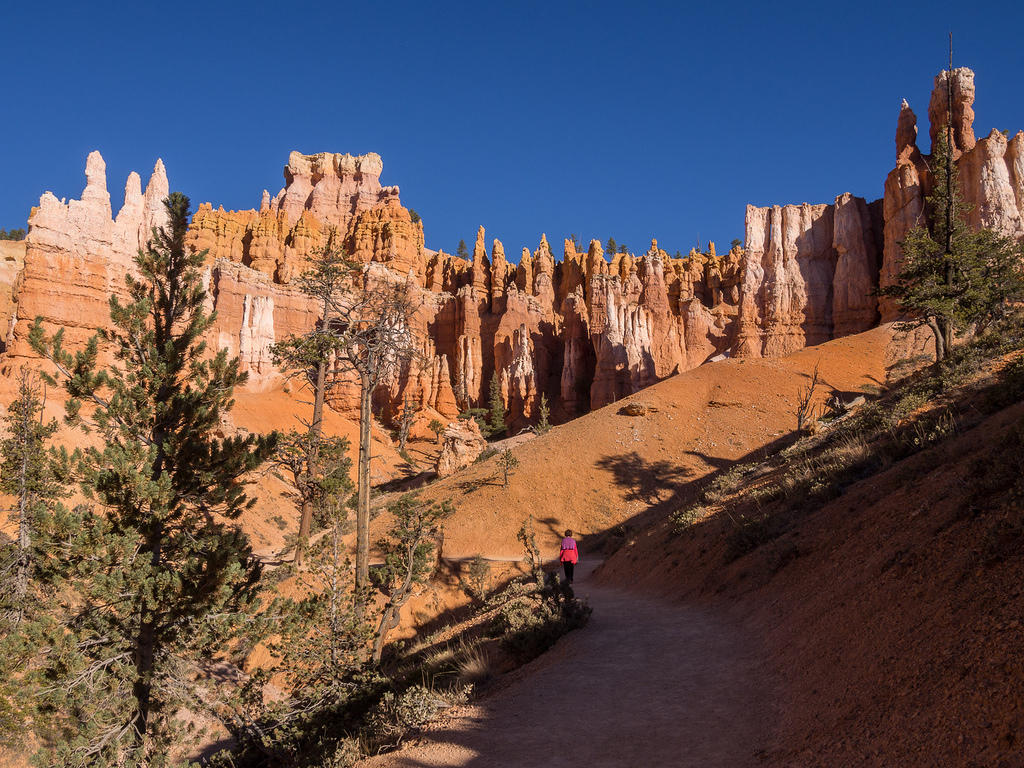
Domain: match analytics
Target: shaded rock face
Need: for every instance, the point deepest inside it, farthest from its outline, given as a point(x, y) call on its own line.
point(585, 329)
point(809, 275)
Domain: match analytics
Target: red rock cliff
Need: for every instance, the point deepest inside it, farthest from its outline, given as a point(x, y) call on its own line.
point(585, 329)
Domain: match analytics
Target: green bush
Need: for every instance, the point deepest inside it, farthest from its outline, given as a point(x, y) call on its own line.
point(531, 617)
point(485, 454)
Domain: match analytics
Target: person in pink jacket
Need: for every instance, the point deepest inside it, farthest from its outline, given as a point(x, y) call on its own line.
point(569, 555)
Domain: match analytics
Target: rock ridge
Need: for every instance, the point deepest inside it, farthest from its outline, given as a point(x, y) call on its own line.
point(584, 328)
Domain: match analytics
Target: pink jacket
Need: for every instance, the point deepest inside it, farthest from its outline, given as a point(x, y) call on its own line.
point(568, 553)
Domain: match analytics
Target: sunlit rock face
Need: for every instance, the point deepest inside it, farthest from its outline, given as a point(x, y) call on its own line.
point(991, 172)
point(582, 328)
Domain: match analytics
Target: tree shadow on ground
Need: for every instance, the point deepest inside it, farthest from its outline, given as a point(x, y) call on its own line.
point(646, 481)
point(476, 483)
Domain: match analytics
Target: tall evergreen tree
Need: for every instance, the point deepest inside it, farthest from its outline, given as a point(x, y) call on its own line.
point(953, 277)
point(153, 579)
point(364, 329)
point(325, 280)
point(320, 643)
point(462, 251)
point(496, 407)
point(36, 479)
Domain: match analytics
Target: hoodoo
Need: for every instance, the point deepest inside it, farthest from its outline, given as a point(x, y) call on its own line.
point(584, 330)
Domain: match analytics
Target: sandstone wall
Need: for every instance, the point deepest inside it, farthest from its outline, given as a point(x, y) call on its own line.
point(584, 329)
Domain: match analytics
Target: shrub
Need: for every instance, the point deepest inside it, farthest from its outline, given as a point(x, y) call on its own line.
point(687, 516)
point(543, 425)
point(749, 533)
point(485, 454)
point(396, 714)
point(474, 667)
point(532, 618)
point(507, 463)
point(477, 584)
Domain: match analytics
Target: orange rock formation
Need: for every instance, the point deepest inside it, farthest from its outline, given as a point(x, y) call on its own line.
point(584, 330)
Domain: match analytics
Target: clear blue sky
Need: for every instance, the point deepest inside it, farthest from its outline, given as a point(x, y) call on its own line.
point(631, 119)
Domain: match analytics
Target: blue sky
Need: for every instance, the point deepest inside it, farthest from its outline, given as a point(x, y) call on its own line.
point(629, 120)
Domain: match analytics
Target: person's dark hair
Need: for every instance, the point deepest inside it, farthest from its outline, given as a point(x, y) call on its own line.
point(568, 533)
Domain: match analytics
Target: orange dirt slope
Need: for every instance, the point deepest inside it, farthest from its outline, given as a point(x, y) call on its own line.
point(606, 468)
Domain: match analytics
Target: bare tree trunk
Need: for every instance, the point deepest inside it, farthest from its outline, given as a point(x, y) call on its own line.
point(388, 621)
point(145, 650)
point(24, 521)
point(363, 487)
point(316, 428)
point(392, 611)
point(940, 339)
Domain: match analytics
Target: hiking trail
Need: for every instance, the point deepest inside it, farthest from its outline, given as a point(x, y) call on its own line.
point(646, 683)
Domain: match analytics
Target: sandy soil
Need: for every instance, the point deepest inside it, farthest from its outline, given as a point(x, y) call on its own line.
point(645, 683)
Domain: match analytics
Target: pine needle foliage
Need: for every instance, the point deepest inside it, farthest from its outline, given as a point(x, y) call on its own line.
point(496, 408)
point(308, 356)
point(36, 480)
point(320, 644)
point(410, 555)
point(543, 425)
point(153, 578)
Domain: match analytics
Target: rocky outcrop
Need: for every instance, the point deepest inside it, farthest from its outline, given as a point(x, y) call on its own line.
point(584, 330)
point(461, 444)
point(326, 195)
point(960, 117)
point(12, 262)
point(991, 174)
point(77, 254)
point(856, 239)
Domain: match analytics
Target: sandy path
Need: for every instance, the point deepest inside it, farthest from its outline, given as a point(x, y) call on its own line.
point(646, 683)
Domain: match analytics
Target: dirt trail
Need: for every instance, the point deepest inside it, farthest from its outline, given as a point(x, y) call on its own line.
point(645, 683)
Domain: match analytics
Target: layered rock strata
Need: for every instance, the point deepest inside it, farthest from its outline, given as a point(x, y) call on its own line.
point(584, 329)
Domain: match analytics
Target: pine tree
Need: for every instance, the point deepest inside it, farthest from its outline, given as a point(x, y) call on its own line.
point(544, 422)
point(405, 421)
point(364, 328)
point(410, 555)
point(320, 643)
point(496, 408)
point(507, 463)
point(611, 246)
point(36, 479)
point(462, 251)
point(952, 277)
point(324, 281)
point(151, 584)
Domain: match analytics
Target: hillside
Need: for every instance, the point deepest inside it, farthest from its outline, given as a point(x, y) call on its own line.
point(880, 626)
point(606, 470)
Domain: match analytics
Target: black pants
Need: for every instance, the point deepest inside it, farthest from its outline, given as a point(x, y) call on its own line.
point(569, 568)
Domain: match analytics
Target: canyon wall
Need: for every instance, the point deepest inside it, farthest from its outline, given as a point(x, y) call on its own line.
point(584, 329)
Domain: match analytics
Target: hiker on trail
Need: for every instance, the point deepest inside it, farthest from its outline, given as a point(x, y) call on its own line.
point(569, 555)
